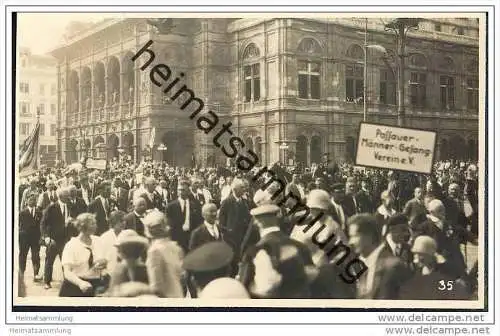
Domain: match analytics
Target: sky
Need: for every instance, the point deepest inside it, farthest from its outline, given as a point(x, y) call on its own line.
point(42, 32)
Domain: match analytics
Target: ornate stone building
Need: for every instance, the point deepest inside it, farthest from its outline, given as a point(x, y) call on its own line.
point(292, 88)
point(37, 94)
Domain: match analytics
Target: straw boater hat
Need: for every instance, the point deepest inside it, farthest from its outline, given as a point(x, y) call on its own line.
point(130, 237)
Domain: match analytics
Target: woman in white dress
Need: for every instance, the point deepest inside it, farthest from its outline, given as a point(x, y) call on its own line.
point(83, 260)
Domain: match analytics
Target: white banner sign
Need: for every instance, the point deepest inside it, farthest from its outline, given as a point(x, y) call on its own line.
point(96, 164)
point(397, 148)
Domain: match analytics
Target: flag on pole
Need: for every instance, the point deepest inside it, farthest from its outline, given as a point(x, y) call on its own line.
point(28, 163)
point(152, 137)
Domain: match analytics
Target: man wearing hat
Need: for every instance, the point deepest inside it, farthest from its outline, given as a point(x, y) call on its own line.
point(429, 281)
point(271, 241)
point(130, 248)
point(164, 257)
point(32, 189)
point(208, 262)
point(397, 239)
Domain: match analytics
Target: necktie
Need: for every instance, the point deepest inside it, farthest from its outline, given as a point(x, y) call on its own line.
point(397, 250)
point(63, 209)
point(91, 257)
point(33, 212)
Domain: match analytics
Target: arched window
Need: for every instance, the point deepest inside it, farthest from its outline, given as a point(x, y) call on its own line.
point(309, 69)
point(418, 81)
point(472, 70)
point(251, 73)
point(354, 74)
point(447, 84)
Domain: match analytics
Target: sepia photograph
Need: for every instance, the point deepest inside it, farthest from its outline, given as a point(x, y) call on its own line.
point(334, 160)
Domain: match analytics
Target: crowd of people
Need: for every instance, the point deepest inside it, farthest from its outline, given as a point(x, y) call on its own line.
point(154, 230)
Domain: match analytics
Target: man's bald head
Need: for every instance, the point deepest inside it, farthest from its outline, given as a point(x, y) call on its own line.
point(140, 205)
point(209, 212)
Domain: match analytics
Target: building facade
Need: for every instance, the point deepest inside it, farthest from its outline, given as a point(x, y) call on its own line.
point(37, 94)
point(292, 88)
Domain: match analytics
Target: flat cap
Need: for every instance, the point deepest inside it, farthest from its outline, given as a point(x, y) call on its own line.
point(208, 257)
point(265, 209)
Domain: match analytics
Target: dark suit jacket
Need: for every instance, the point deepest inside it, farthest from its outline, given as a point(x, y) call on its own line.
point(96, 207)
point(413, 208)
point(121, 199)
point(201, 236)
point(44, 202)
point(53, 224)
point(349, 206)
point(390, 274)
point(156, 202)
point(233, 219)
point(78, 207)
point(92, 191)
point(134, 223)
point(29, 225)
point(176, 220)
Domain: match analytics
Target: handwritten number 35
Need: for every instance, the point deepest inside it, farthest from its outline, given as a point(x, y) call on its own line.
point(445, 285)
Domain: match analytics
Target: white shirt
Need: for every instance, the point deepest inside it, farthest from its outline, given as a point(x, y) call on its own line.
point(64, 209)
point(212, 229)
point(340, 212)
point(107, 243)
point(185, 208)
point(391, 243)
point(76, 255)
point(371, 263)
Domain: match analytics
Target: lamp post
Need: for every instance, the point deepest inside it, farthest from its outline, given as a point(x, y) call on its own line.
point(162, 148)
point(400, 27)
point(284, 147)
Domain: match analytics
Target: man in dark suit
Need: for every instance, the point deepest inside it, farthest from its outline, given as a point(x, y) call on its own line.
point(196, 192)
point(76, 203)
point(349, 202)
point(234, 215)
point(272, 241)
point(133, 220)
point(338, 213)
point(397, 239)
point(365, 198)
point(56, 230)
point(385, 274)
point(207, 232)
point(415, 207)
point(119, 195)
point(184, 215)
point(47, 197)
point(88, 188)
point(101, 207)
point(29, 235)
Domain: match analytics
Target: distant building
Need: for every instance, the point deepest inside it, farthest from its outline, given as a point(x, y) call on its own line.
point(36, 83)
point(292, 88)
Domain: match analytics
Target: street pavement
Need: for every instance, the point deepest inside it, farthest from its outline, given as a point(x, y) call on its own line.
point(36, 289)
